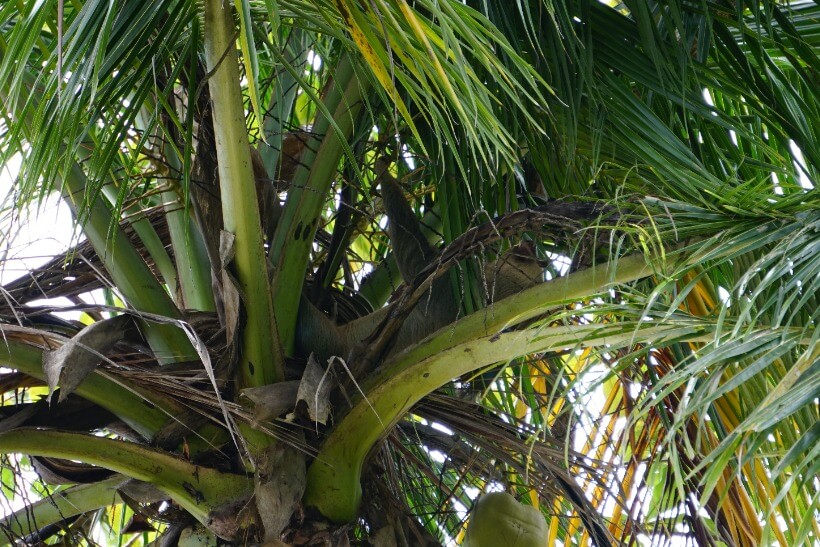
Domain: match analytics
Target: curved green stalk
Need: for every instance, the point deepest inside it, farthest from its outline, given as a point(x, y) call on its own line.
point(199, 490)
point(61, 505)
point(474, 342)
point(131, 275)
point(262, 359)
point(193, 266)
point(334, 478)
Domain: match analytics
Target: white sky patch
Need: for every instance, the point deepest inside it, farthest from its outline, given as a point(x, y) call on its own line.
point(95, 297)
point(8, 172)
point(440, 427)
point(59, 302)
point(708, 98)
point(799, 162)
point(32, 236)
point(359, 276)
point(314, 60)
point(560, 262)
point(438, 456)
point(724, 295)
point(776, 182)
point(408, 157)
point(337, 199)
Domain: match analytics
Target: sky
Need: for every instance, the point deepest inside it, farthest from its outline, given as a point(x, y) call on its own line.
point(33, 236)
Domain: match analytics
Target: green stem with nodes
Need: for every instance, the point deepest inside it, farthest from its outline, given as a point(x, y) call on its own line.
point(262, 358)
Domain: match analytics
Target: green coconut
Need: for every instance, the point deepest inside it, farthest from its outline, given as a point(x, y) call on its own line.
point(498, 520)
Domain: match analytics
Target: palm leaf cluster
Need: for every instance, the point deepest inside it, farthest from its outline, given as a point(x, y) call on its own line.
point(221, 162)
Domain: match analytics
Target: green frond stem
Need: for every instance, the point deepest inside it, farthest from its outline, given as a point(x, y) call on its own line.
point(192, 264)
point(471, 343)
point(131, 275)
point(261, 355)
point(333, 479)
point(199, 490)
point(293, 240)
point(62, 505)
point(149, 238)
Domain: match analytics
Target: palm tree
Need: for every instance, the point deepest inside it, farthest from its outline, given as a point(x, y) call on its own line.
point(225, 163)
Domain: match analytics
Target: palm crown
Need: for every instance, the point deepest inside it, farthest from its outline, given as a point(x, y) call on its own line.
point(659, 158)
